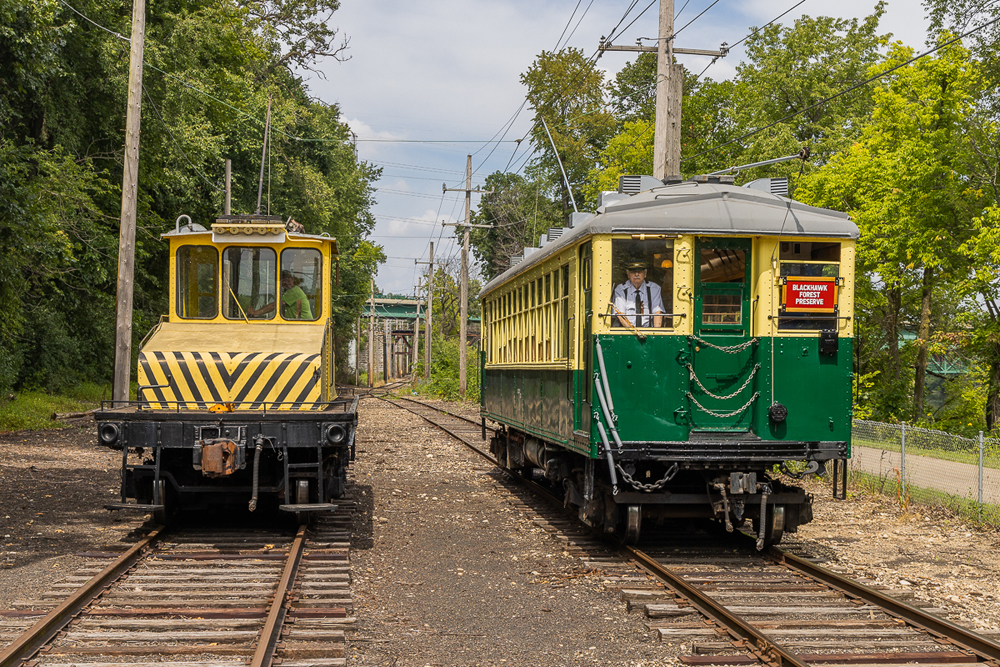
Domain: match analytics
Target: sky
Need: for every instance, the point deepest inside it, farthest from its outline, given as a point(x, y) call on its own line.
point(430, 82)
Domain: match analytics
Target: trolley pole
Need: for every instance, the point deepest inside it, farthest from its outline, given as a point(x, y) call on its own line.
point(463, 334)
point(430, 312)
point(227, 205)
point(669, 91)
point(130, 186)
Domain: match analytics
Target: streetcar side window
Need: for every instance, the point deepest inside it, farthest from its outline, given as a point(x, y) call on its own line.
point(648, 263)
point(197, 282)
point(302, 283)
point(249, 283)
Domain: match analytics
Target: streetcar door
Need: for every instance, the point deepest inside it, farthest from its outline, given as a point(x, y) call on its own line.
point(722, 349)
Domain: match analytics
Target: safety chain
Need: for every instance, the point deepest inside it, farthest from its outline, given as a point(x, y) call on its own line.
point(722, 398)
point(655, 486)
point(724, 414)
point(728, 349)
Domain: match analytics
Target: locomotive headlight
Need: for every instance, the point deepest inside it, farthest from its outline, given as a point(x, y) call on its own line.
point(335, 434)
point(777, 413)
point(108, 433)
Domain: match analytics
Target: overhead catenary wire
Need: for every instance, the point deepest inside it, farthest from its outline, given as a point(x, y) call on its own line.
point(835, 96)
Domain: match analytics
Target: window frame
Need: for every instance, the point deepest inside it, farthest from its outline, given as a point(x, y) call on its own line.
point(178, 292)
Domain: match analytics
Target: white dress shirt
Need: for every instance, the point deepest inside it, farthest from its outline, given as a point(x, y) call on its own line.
point(624, 300)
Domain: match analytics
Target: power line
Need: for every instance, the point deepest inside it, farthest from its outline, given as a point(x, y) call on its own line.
point(677, 32)
point(845, 91)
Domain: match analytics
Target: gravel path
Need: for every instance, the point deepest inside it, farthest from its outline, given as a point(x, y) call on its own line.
point(453, 574)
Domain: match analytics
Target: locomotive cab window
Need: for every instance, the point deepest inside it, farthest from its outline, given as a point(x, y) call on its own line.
point(642, 272)
point(249, 283)
point(197, 282)
point(809, 280)
point(301, 283)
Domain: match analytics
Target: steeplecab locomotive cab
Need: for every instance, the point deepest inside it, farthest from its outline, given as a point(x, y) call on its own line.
point(237, 402)
point(684, 352)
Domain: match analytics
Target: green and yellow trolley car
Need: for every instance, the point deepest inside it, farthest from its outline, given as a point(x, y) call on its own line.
point(674, 354)
point(237, 400)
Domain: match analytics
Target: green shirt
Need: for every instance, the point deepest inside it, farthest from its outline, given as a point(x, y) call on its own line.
point(290, 299)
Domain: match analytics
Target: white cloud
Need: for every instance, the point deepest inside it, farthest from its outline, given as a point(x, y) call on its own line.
point(449, 70)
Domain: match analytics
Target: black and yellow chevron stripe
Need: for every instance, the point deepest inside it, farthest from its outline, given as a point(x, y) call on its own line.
point(248, 380)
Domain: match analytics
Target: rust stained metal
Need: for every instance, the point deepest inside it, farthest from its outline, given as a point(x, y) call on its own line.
point(984, 648)
point(742, 633)
point(271, 633)
point(218, 458)
point(22, 648)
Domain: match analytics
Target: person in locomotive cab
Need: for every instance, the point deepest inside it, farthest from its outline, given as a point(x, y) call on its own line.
point(294, 302)
point(637, 301)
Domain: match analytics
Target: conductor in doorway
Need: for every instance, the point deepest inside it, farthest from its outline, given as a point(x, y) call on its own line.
point(638, 302)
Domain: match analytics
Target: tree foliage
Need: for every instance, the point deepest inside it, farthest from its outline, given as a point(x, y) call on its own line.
point(210, 67)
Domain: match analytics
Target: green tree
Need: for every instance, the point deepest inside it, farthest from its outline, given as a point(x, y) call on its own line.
point(904, 185)
point(519, 212)
point(566, 90)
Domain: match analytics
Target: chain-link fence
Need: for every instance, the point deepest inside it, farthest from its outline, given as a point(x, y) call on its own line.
point(931, 467)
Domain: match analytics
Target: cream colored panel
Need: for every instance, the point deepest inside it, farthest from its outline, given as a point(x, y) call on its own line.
point(683, 284)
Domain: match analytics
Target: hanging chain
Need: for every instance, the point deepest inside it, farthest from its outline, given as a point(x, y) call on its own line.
point(724, 414)
point(728, 349)
point(655, 486)
point(727, 396)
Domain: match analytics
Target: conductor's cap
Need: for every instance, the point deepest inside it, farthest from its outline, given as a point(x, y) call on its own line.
point(636, 266)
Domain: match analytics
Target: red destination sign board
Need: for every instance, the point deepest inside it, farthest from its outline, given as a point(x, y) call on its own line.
point(810, 295)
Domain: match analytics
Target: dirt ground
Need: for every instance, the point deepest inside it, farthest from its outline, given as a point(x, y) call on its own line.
point(53, 487)
point(453, 572)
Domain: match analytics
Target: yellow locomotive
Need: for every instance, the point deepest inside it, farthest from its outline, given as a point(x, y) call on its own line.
point(237, 401)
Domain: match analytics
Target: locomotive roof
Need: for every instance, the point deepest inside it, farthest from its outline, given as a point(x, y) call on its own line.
point(699, 208)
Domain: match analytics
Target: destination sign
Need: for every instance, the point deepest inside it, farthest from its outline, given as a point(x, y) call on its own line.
point(810, 295)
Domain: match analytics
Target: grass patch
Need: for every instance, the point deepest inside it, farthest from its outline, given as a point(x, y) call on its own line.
point(33, 409)
point(985, 515)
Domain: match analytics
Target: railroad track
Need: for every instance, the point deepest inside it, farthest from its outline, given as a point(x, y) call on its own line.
point(735, 606)
point(197, 598)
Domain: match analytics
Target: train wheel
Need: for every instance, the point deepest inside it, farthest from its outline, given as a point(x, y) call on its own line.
point(162, 516)
point(633, 523)
point(774, 529)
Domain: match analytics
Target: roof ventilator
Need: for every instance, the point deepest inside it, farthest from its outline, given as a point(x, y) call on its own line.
point(577, 219)
point(774, 186)
point(516, 259)
point(631, 184)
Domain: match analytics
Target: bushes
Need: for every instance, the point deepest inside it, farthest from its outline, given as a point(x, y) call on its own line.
point(444, 371)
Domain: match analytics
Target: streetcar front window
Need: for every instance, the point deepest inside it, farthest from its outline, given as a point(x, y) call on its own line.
point(643, 273)
point(197, 282)
point(249, 283)
point(302, 283)
point(809, 278)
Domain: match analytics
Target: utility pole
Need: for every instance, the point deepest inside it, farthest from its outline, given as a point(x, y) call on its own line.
point(430, 313)
point(463, 354)
point(416, 329)
point(357, 354)
point(669, 90)
point(371, 336)
point(130, 186)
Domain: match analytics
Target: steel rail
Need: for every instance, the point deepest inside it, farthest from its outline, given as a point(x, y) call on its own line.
point(748, 637)
point(271, 633)
point(25, 646)
point(438, 409)
point(984, 648)
point(484, 454)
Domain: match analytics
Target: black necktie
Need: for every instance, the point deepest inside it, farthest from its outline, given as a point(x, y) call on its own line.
point(638, 309)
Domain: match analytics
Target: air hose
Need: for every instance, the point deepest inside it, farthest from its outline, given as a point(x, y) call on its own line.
point(256, 474)
point(604, 376)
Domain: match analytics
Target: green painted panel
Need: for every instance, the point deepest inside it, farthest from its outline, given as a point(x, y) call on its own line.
point(650, 383)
